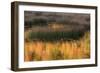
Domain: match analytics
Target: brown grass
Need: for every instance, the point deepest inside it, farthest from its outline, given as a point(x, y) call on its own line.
point(75, 49)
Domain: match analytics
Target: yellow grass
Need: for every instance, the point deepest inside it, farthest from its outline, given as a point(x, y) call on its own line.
point(75, 49)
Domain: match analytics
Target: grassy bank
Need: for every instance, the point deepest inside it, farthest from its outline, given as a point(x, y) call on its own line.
point(57, 50)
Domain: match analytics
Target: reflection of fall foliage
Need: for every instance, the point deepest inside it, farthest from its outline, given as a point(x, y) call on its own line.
point(75, 49)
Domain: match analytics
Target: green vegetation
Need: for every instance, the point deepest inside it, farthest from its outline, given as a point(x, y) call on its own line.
point(54, 36)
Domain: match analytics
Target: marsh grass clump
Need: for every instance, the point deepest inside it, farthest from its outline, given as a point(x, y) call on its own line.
point(56, 54)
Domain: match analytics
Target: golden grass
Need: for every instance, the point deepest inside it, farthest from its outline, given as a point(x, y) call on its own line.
point(60, 50)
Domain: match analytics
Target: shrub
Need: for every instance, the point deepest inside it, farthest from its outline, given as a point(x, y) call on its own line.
point(39, 22)
point(28, 24)
point(54, 36)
